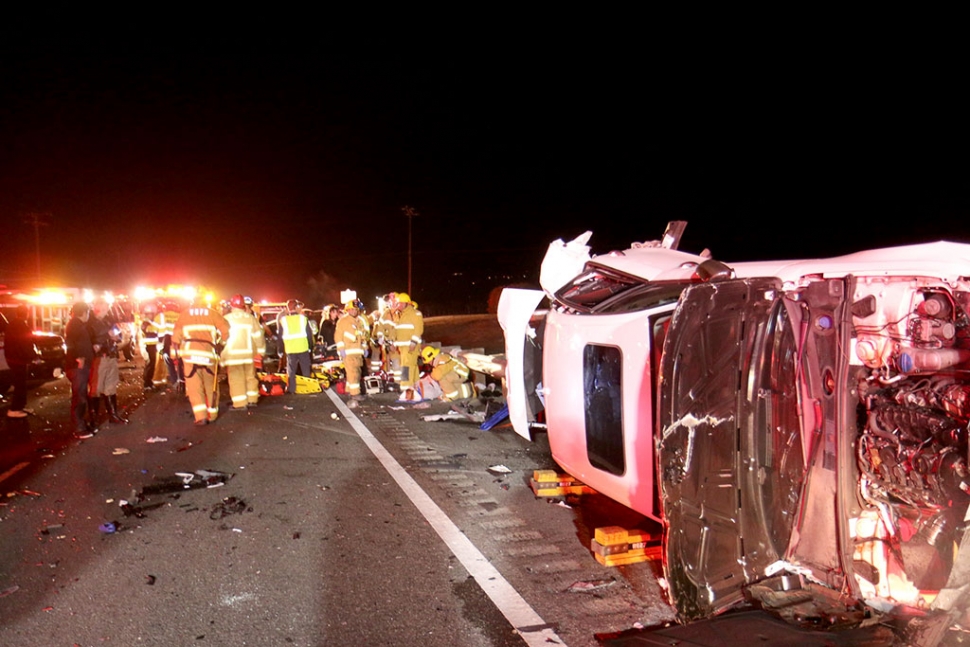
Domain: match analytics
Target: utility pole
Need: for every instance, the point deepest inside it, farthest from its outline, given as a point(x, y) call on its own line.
point(410, 213)
point(37, 220)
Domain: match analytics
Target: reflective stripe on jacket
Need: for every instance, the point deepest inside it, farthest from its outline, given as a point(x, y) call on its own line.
point(348, 336)
point(246, 338)
point(196, 334)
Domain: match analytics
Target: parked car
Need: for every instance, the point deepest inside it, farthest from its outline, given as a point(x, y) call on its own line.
point(798, 427)
point(49, 364)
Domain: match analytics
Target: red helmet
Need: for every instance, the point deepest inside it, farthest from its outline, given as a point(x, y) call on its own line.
point(238, 301)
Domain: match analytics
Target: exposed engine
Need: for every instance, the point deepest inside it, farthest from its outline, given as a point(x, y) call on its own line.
point(913, 450)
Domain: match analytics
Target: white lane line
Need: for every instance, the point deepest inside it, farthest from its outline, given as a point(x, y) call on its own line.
point(516, 610)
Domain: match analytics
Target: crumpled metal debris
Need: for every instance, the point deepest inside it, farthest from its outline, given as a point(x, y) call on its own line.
point(229, 505)
point(187, 481)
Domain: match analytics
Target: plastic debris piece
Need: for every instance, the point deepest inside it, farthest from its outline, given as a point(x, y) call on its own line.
point(30, 493)
point(10, 589)
point(108, 527)
point(157, 439)
point(118, 451)
point(495, 418)
point(150, 580)
point(499, 469)
point(48, 529)
point(334, 416)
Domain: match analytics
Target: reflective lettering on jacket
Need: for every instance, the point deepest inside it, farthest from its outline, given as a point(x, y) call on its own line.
point(293, 331)
point(196, 334)
point(246, 339)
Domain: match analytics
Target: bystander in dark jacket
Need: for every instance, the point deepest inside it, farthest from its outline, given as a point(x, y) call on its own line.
point(80, 355)
point(20, 352)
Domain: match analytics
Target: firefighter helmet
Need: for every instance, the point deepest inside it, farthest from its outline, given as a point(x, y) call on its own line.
point(351, 304)
point(429, 353)
point(294, 305)
point(238, 301)
point(403, 297)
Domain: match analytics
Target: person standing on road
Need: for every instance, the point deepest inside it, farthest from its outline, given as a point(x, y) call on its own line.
point(384, 336)
point(107, 337)
point(20, 352)
point(297, 336)
point(408, 334)
point(328, 328)
point(350, 347)
point(165, 323)
point(245, 344)
point(149, 338)
point(196, 340)
point(80, 355)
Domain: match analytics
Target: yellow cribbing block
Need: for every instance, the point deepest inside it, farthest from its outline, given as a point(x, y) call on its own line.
point(613, 545)
point(610, 535)
point(629, 558)
point(552, 483)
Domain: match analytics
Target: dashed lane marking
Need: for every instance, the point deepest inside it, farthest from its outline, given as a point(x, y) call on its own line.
point(529, 624)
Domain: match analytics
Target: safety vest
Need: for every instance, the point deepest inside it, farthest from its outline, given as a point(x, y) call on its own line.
point(246, 339)
point(293, 332)
point(165, 322)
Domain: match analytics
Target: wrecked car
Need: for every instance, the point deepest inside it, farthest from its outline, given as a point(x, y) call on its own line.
point(798, 427)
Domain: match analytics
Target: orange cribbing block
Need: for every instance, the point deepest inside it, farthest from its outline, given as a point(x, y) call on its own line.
point(613, 545)
point(551, 483)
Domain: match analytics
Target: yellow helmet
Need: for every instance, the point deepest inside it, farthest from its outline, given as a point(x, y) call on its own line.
point(403, 297)
point(350, 304)
point(429, 353)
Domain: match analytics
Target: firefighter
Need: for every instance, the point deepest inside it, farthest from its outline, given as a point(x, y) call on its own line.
point(197, 339)
point(350, 346)
point(149, 338)
point(297, 335)
point(383, 336)
point(244, 346)
point(408, 336)
point(450, 372)
point(165, 322)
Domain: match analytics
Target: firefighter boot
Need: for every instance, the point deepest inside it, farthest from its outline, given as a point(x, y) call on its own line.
point(94, 413)
point(114, 414)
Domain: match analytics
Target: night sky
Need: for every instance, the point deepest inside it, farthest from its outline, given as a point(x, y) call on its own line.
point(286, 174)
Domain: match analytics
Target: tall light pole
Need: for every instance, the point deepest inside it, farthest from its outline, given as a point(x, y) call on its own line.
point(410, 213)
point(37, 220)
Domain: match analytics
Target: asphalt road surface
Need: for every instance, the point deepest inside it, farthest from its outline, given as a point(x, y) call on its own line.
point(324, 526)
